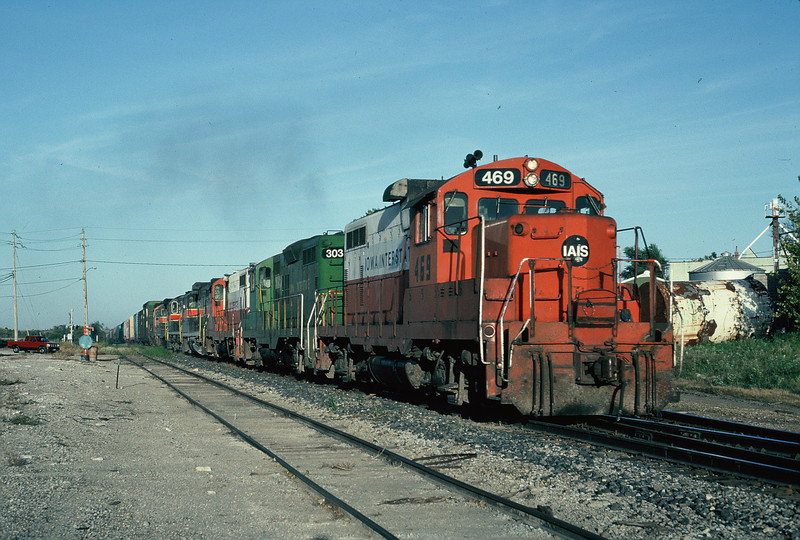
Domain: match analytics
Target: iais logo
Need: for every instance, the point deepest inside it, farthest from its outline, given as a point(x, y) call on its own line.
point(576, 247)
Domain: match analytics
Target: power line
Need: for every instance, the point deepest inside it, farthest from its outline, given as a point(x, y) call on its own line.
point(271, 229)
point(63, 239)
point(201, 241)
point(58, 249)
point(162, 264)
point(74, 281)
point(45, 265)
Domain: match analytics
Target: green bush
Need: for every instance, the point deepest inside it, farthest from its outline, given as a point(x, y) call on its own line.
point(766, 363)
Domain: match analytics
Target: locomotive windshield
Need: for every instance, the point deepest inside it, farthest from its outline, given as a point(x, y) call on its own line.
point(588, 205)
point(543, 206)
point(495, 208)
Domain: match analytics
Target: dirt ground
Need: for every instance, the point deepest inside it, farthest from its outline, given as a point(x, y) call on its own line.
point(93, 456)
point(84, 454)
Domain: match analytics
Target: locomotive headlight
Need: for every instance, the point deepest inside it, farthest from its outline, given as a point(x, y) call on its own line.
point(520, 229)
point(531, 164)
point(531, 179)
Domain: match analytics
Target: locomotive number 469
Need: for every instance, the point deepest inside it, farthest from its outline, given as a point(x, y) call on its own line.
point(497, 177)
point(556, 179)
point(422, 268)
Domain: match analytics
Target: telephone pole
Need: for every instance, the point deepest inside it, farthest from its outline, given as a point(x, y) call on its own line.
point(85, 297)
point(774, 210)
point(14, 279)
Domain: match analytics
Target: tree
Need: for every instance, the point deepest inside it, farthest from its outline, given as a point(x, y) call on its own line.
point(788, 303)
point(652, 252)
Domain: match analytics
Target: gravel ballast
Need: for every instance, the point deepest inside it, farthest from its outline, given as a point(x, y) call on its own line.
point(139, 461)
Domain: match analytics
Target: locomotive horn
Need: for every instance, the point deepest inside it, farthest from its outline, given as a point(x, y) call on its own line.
point(472, 159)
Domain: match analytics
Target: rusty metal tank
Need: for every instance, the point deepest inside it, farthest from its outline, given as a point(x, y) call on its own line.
point(721, 310)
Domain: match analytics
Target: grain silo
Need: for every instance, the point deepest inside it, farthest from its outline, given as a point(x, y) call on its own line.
point(725, 268)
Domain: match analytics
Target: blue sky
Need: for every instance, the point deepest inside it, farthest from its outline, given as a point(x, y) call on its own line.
point(191, 138)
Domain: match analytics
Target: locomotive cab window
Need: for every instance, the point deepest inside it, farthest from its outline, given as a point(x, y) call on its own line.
point(455, 213)
point(543, 206)
point(588, 205)
point(219, 290)
point(265, 277)
point(497, 208)
point(423, 221)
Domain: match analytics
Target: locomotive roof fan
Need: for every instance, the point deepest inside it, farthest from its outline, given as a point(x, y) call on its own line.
point(472, 159)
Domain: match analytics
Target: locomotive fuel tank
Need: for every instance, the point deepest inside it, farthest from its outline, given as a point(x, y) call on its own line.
point(396, 373)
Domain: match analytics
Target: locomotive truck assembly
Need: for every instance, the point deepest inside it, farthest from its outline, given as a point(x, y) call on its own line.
point(497, 285)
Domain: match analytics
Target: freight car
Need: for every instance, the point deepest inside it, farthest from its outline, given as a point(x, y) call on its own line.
point(145, 321)
point(499, 285)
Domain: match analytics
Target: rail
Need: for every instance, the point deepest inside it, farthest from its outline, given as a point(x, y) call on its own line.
point(747, 451)
point(502, 504)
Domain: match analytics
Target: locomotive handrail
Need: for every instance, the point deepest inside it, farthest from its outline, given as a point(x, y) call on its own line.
point(281, 302)
point(311, 346)
point(317, 313)
point(513, 285)
point(481, 289)
point(456, 237)
point(651, 288)
point(636, 230)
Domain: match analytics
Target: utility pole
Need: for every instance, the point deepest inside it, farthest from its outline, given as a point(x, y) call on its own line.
point(773, 211)
point(14, 278)
point(85, 297)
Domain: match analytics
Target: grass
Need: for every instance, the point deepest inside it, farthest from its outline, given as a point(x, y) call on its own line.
point(752, 365)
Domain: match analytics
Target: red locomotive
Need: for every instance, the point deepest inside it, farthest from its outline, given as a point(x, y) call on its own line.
point(498, 284)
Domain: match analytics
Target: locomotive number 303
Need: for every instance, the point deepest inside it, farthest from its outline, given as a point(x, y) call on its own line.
point(333, 253)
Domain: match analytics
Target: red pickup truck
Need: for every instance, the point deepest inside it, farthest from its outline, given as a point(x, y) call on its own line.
point(33, 343)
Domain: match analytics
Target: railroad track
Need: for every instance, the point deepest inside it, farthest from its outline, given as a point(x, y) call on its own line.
point(391, 495)
point(726, 447)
